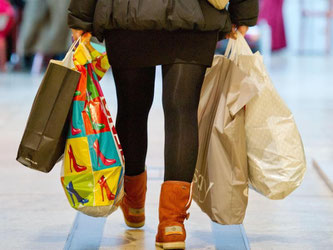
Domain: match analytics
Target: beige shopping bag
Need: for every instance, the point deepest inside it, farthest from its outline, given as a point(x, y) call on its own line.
point(274, 147)
point(220, 185)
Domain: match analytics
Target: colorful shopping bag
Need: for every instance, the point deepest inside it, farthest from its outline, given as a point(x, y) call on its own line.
point(93, 165)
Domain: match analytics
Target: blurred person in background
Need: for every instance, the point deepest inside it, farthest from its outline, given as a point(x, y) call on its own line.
point(7, 15)
point(181, 36)
point(272, 12)
point(12, 36)
point(44, 32)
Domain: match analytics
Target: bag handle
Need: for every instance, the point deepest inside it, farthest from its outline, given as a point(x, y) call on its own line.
point(230, 45)
point(237, 47)
point(244, 48)
point(74, 44)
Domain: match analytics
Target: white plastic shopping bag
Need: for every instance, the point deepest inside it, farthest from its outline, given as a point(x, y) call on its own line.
point(274, 147)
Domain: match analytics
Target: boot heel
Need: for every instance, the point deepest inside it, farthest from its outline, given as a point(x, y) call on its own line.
point(175, 200)
point(134, 225)
point(133, 203)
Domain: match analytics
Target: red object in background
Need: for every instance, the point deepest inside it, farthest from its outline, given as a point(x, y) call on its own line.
point(7, 15)
point(271, 11)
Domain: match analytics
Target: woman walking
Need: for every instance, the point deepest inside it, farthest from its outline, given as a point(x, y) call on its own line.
point(180, 35)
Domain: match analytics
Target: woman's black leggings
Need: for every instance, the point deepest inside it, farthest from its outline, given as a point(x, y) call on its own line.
point(181, 92)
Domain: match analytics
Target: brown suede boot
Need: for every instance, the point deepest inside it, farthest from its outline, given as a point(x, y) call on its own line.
point(175, 199)
point(133, 203)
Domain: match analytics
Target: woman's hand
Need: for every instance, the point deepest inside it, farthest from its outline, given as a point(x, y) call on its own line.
point(243, 29)
point(233, 34)
point(77, 33)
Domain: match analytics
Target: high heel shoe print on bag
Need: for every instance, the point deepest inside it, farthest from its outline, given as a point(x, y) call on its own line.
point(100, 156)
point(96, 126)
point(75, 131)
point(104, 185)
point(72, 161)
point(70, 189)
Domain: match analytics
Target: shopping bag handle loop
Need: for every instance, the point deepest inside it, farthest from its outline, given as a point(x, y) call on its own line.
point(74, 44)
point(230, 45)
point(238, 46)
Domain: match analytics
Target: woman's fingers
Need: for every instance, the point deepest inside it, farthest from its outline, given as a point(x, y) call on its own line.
point(233, 33)
point(76, 34)
point(243, 29)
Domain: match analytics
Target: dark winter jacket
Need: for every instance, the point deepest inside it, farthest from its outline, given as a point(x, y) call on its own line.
point(98, 15)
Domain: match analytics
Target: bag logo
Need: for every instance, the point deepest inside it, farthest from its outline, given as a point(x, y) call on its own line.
point(246, 192)
point(29, 160)
point(202, 186)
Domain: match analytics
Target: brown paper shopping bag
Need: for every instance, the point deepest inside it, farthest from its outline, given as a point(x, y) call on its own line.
point(44, 137)
point(220, 185)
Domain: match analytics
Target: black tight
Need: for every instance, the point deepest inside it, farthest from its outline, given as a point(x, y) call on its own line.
point(181, 92)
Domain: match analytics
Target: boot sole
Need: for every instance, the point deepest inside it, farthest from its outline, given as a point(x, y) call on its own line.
point(171, 245)
point(134, 225)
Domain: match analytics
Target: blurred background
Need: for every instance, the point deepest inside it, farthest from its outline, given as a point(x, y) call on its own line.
point(33, 31)
point(295, 39)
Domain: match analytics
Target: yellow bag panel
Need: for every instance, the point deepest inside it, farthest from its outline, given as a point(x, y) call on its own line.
point(79, 189)
point(106, 185)
point(77, 157)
